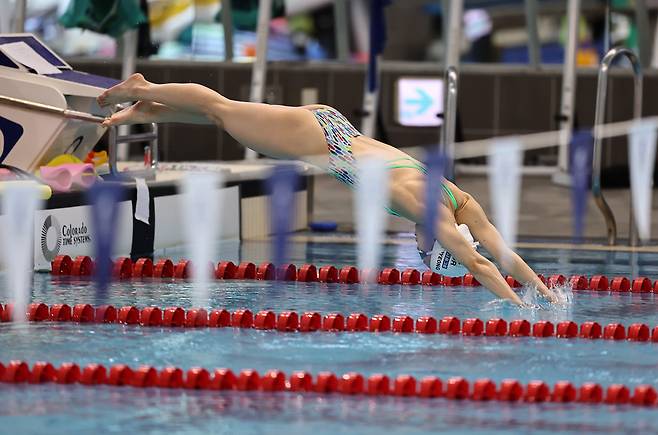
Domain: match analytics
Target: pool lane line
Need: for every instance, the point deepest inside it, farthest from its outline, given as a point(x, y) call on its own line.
point(290, 321)
point(124, 269)
point(351, 384)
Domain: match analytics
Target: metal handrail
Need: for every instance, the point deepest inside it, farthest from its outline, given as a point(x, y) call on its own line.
point(451, 83)
point(115, 139)
point(599, 119)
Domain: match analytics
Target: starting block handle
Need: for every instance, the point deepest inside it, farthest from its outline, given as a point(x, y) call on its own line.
point(115, 139)
point(66, 113)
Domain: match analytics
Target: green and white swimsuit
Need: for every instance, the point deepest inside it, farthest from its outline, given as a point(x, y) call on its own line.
point(339, 132)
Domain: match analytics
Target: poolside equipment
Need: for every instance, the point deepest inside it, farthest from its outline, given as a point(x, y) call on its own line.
point(63, 177)
point(201, 219)
point(282, 187)
point(371, 197)
point(20, 201)
point(641, 158)
point(504, 161)
point(323, 226)
point(599, 118)
point(104, 199)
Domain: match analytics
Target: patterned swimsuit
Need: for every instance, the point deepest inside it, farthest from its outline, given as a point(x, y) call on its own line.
point(339, 132)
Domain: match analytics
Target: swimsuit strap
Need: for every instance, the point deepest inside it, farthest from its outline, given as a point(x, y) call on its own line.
point(415, 164)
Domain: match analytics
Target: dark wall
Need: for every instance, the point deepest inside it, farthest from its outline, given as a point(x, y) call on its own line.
point(493, 100)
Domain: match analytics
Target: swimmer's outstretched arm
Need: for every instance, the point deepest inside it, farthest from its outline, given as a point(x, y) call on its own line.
point(482, 269)
point(409, 203)
point(487, 234)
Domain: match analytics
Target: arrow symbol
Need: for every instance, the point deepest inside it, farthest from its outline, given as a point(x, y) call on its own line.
point(424, 101)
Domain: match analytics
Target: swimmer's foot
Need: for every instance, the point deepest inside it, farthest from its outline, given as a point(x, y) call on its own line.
point(128, 90)
point(139, 113)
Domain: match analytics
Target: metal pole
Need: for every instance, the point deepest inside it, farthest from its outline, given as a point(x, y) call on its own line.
point(259, 68)
point(606, 28)
point(20, 11)
point(449, 120)
point(534, 47)
point(599, 119)
point(341, 30)
point(643, 38)
point(568, 85)
point(454, 35)
point(452, 39)
point(128, 61)
point(227, 24)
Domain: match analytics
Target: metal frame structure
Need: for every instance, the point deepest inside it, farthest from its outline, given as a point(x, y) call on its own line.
point(259, 67)
point(114, 139)
point(451, 85)
point(601, 97)
point(566, 116)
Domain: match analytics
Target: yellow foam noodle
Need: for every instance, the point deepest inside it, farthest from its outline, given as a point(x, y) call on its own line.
point(63, 159)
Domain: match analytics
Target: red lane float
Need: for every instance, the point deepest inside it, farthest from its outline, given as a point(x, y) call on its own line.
point(266, 272)
point(472, 327)
point(163, 269)
point(143, 268)
point(225, 270)
point(470, 281)
point(351, 383)
point(599, 283)
point(430, 278)
point(328, 274)
point(310, 322)
point(620, 284)
point(410, 277)
point(357, 322)
point(379, 323)
point(426, 325)
point(449, 325)
point(307, 273)
point(348, 275)
point(61, 265)
point(82, 266)
point(389, 276)
point(122, 268)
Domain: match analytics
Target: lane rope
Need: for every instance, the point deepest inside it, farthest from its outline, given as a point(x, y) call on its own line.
point(351, 383)
point(125, 269)
point(291, 321)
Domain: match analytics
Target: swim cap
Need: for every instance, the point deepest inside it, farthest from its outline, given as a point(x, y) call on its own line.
point(443, 262)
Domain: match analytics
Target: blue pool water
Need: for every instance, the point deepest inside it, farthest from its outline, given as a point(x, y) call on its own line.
point(36, 409)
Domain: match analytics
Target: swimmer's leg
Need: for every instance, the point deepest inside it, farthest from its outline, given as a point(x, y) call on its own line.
point(276, 131)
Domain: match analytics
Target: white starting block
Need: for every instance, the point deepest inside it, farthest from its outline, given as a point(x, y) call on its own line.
point(46, 108)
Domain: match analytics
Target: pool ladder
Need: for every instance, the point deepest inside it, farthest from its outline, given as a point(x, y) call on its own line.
point(599, 119)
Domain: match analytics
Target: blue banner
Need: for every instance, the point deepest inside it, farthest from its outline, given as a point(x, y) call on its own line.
point(435, 163)
point(104, 199)
point(282, 186)
point(582, 145)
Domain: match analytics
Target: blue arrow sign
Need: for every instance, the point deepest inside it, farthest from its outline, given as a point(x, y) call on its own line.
point(424, 101)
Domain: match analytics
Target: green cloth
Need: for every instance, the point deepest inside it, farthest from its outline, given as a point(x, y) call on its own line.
point(110, 17)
